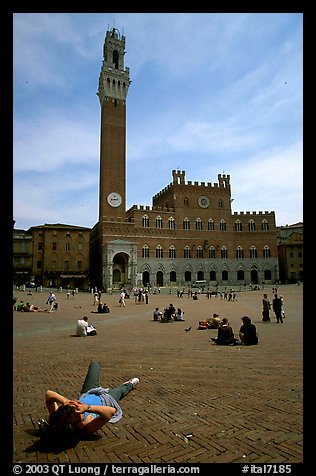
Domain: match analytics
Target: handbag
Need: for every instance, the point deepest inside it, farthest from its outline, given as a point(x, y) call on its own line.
point(91, 330)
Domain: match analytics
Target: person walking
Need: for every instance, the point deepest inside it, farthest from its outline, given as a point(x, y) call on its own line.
point(266, 306)
point(122, 298)
point(51, 300)
point(277, 308)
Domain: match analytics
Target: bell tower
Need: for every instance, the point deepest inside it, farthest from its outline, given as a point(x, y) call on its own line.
point(113, 87)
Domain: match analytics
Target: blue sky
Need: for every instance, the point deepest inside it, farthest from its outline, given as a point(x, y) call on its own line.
point(211, 93)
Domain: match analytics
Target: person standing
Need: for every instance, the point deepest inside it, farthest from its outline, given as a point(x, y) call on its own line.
point(277, 308)
point(266, 306)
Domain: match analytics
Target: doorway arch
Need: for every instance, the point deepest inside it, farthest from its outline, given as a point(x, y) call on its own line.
point(120, 265)
point(145, 280)
point(159, 278)
point(254, 276)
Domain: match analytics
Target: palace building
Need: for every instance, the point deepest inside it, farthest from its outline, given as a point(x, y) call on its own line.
point(189, 233)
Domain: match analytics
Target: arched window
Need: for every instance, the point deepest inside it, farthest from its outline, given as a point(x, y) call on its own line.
point(198, 224)
point(211, 252)
point(210, 225)
point(172, 252)
point(173, 277)
point(251, 225)
point(171, 223)
point(187, 252)
point(267, 275)
point(222, 225)
point(159, 222)
point(238, 225)
point(212, 275)
point(224, 275)
point(224, 253)
point(253, 252)
point(264, 225)
point(239, 252)
point(145, 251)
point(240, 275)
point(159, 253)
point(145, 221)
point(186, 224)
point(186, 201)
point(266, 252)
point(199, 252)
point(220, 203)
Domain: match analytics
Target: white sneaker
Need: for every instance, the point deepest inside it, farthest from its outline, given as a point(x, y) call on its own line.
point(134, 381)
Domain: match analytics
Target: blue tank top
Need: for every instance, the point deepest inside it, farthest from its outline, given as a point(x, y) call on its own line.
point(91, 399)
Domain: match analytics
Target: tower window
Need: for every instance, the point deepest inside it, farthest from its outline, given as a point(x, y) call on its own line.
point(253, 252)
point(115, 58)
point(266, 252)
point(224, 253)
point(199, 252)
point(251, 225)
point(198, 224)
point(238, 225)
point(186, 224)
point(145, 221)
point(222, 225)
point(145, 251)
point(264, 225)
point(159, 252)
point(159, 222)
point(187, 252)
point(172, 252)
point(211, 252)
point(171, 223)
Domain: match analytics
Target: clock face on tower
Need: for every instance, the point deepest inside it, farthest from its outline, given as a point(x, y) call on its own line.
point(114, 199)
point(203, 201)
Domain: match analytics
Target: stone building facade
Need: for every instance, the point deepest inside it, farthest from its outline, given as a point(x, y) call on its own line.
point(189, 233)
point(60, 256)
point(22, 256)
point(290, 251)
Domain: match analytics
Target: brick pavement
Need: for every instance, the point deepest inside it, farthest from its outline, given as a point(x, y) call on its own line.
point(240, 404)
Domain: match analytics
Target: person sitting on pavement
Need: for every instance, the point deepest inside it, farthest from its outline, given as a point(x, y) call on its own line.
point(157, 314)
point(70, 418)
point(82, 325)
point(169, 313)
point(248, 332)
point(214, 322)
point(179, 315)
point(225, 334)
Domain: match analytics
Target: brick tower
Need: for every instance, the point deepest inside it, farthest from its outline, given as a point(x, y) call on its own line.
point(113, 87)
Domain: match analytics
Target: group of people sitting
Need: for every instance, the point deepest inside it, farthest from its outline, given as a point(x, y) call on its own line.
point(247, 333)
point(26, 306)
point(102, 309)
point(170, 314)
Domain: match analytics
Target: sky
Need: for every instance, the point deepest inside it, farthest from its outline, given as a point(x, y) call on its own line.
point(211, 93)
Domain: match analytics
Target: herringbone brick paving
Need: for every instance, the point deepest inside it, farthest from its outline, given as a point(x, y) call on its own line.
point(196, 402)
